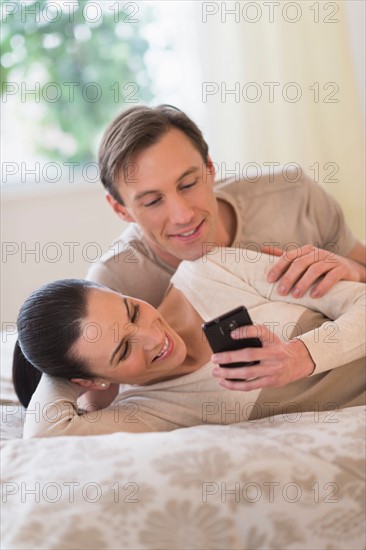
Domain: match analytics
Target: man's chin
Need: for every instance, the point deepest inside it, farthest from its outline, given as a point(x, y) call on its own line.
point(191, 254)
point(197, 251)
point(173, 254)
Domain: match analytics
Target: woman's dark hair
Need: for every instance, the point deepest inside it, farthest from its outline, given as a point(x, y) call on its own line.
point(136, 129)
point(49, 324)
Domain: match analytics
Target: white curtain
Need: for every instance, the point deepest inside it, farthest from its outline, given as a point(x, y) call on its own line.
point(278, 84)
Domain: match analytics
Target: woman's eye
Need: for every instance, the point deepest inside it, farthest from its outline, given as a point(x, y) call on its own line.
point(134, 318)
point(136, 312)
point(126, 352)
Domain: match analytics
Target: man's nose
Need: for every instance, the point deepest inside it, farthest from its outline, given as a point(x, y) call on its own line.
point(180, 211)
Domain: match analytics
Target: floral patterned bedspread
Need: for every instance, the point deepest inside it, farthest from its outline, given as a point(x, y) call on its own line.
point(284, 482)
point(292, 481)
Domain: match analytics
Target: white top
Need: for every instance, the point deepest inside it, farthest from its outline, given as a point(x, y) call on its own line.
point(215, 284)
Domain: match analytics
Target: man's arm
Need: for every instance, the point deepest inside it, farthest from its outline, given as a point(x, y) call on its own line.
point(358, 253)
point(339, 255)
point(300, 268)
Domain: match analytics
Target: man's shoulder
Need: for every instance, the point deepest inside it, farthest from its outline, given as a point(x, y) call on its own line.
point(120, 262)
point(127, 247)
point(290, 178)
point(130, 267)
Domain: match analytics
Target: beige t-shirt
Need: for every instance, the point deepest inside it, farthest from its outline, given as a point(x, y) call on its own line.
point(215, 284)
point(274, 210)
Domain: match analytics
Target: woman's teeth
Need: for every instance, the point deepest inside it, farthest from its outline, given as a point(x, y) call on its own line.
point(164, 349)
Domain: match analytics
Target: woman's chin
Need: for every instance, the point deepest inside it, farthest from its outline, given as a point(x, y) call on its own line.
point(181, 351)
point(172, 367)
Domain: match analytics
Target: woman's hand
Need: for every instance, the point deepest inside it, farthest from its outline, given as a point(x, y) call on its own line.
point(301, 267)
point(280, 362)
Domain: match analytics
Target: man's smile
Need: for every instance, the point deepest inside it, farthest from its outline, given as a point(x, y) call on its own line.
point(190, 234)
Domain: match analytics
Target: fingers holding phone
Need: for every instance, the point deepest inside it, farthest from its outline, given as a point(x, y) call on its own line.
point(219, 335)
point(275, 363)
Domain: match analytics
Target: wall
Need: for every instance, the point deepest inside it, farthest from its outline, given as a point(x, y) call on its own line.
point(43, 220)
point(80, 214)
point(356, 12)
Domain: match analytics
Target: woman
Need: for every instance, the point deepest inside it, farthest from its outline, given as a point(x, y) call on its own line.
point(85, 337)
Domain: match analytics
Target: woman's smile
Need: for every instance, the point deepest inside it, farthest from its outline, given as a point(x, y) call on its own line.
point(132, 344)
point(166, 350)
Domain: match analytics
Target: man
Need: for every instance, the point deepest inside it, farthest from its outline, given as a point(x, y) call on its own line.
point(157, 173)
point(159, 177)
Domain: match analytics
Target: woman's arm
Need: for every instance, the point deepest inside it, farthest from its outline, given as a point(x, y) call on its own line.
point(280, 362)
point(335, 343)
point(53, 411)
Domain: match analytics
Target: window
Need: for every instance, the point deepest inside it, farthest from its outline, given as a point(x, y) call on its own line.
point(68, 67)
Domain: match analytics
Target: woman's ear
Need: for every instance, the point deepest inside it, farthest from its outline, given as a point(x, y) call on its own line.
point(90, 384)
point(119, 208)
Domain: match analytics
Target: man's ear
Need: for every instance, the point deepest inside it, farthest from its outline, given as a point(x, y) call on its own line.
point(211, 169)
point(119, 208)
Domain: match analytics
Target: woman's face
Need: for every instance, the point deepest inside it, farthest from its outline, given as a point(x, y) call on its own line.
point(127, 341)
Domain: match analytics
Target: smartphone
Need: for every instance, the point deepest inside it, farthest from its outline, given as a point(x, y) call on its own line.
point(218, 331)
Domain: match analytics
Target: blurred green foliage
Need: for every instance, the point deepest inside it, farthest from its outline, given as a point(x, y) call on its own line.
point(84, 59)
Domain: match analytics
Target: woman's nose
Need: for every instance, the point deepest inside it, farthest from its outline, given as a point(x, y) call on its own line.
point(153, 337)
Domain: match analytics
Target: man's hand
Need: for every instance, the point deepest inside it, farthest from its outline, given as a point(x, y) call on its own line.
point(300, 268)
point(280, 362)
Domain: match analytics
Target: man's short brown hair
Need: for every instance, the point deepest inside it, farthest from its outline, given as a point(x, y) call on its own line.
point(136, 129)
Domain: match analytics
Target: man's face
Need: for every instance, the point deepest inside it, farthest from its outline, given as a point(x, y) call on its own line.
point(169, 193)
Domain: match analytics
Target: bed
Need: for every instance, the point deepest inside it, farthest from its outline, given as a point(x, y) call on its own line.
point(292, 481)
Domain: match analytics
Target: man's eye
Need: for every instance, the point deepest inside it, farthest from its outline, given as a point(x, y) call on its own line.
point(152, 203)
point(189, 185)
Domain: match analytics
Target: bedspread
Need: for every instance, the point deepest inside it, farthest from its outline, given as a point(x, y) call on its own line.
point(284, 482)
point(292, 481)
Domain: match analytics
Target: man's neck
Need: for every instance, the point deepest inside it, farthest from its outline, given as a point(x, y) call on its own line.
point(226, 230)
point(163, 255)
point(227, 223)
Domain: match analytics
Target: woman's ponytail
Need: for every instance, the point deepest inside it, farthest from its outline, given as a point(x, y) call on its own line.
point(49, 324)
point(25, 376)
